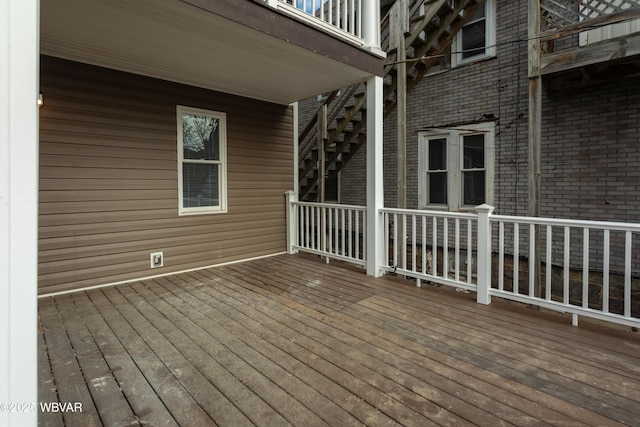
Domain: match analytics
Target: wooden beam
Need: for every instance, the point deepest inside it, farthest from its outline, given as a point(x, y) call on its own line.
point(535, 129)
point(608, 50)
point(399, 29)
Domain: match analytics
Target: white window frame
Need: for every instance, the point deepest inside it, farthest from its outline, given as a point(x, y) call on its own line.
point(455, 159)
point(490, 38)
point(222, 162)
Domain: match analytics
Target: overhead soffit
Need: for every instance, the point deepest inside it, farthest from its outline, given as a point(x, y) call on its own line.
point(175, 41)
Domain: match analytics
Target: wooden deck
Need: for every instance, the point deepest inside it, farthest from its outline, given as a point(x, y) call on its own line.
point(290, 340)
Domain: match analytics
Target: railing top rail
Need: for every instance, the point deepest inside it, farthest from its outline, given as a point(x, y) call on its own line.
point(422, 212)
point(603, 225)
point(330, 205)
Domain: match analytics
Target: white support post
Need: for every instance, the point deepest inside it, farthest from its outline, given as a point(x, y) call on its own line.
point(375, 190)
point(292, 221)
point(484, 254)
point(371, 25)
point(19, 81)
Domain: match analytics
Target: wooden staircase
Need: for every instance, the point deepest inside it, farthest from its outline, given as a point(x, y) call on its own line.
point(432, 26)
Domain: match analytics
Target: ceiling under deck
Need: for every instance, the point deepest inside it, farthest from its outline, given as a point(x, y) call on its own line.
point(180, 42)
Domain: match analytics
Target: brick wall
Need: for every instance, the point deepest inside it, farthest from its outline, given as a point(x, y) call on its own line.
point(591, 135)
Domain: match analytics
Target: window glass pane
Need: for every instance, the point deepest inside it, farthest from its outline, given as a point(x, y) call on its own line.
point(200, 185)
point(474, 152)
point(437, 154)
point(201, 137)
point(473, 39)
point(437, 188)
point(479, 13)
point(473, 188)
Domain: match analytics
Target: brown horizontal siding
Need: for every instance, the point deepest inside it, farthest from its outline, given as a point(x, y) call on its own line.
point(109, 185)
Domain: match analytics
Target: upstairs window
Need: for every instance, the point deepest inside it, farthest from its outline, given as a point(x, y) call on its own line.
point(202, 175)
point(477, 38)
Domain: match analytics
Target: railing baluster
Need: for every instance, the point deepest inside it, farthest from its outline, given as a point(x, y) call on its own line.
point(549, 265)
point(605, 272)
point(387, 236)
point(395, 240)
point(338, 231)
point(313, 227)
point(350, 236)
point(364, 235)
point(413, 243)
point(309, 216)
point(434, 246)
point(445, 247)
point(457, 249)
point(330, 230)
point(354, 16)
point(469, 252)
point(585, 268)
point(565, 285)
point(532, 259)
point(403, 240)
point(323, 229)
point(342, 233)
point(330, 9)
point(627, 274)
point(501, 256)
point(516, 258)
point(359, 20)
point(357, 236)
point(345, 16)
point(424, 245)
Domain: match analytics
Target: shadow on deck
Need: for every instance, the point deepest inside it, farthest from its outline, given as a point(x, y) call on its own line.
point(291, 340)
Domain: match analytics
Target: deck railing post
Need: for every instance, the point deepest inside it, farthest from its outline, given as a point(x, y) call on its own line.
point(371, 25)
point(292, 221)
point(484, 254)
point(375, 183)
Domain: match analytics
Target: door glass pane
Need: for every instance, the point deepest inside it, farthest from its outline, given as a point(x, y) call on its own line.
point(437, 154)
point(200, 137)
point(437, 187)
point(474, 152)
point(473, 188)
point(200, 185)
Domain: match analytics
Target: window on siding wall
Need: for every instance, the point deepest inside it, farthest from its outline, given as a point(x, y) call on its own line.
point(456, 167)
point(202, 176)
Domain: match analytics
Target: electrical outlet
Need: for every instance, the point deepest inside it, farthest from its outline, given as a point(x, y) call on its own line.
point(156, 259)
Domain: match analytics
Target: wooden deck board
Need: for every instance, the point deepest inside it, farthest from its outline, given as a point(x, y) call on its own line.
point(289, 340)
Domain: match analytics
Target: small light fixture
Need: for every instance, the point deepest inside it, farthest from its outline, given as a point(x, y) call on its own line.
point(40, 100)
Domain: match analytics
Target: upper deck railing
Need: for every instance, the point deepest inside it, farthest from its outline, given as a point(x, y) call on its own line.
point(559, 14)
point(354, 20)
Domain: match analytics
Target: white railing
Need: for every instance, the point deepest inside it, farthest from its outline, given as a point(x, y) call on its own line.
point(332, 231)
point(344, 16)
point(431, 246)
point(586, 268)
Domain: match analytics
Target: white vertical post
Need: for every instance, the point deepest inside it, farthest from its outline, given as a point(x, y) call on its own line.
point(371, 25)
point(292, 221)
point(19, 81)
point(484, 254)
point(375, 191)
